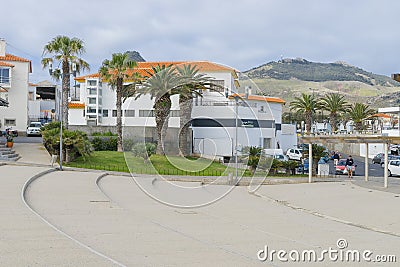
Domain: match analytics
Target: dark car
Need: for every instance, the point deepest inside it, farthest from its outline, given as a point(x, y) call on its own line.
point(303, 167)
point(378, 158)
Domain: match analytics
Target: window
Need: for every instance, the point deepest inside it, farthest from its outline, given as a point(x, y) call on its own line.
point(92, 100)
point(92, 91)
point(146, 113)
point(10, 122)
point(91, 110)
point(174, 113)
point(5, 76)
point(218, 85)
point(91, 82)
point(105, 113)
point(267, 143)
point(130, 113)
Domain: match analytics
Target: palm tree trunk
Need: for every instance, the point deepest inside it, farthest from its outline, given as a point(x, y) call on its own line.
point(186, 106)
point(65, 89)
point(308, 117)
point(332, 119)
point(162, 107)
point(119, 114)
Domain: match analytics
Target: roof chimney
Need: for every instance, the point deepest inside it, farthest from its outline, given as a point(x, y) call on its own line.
point(2, 47)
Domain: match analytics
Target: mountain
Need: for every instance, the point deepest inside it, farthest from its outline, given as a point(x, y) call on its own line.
point(134, 55)
point(288, 78)
point(301, 69)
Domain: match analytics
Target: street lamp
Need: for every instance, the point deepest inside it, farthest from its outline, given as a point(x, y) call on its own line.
point(51, 72)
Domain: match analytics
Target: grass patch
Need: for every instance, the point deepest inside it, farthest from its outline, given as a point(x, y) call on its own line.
point(171, 165)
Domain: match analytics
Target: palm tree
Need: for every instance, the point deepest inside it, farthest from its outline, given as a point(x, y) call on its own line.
point(335, 104)
point(65, 51)
point(117, 71)
point(161, 85)
point(358, 112)
point(192, 84)
point(307, 105)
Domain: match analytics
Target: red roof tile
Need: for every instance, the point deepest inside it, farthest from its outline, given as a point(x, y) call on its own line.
point(143, 68)
point(5, 64)
point(76, 105)
point(9, 57)
point(260, 98)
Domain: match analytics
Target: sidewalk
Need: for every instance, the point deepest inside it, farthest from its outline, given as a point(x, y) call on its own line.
point(32, 153)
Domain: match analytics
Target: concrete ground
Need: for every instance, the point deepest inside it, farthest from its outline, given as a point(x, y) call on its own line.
point(33, 153)
point(83, 219)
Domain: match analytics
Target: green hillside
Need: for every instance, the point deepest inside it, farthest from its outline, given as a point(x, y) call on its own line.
point(289, 78)
point(301, 69)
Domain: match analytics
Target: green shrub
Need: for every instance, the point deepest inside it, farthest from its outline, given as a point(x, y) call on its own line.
point(143, 150)
point(75, 143)
point(127, 144)
point(104, 143)
point(109, 133)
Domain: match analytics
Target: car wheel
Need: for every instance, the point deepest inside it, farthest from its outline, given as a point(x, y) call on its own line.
point(390, 173)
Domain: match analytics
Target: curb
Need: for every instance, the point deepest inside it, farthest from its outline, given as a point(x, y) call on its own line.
point(23, 196)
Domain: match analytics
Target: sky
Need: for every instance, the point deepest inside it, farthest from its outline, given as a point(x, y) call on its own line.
point(240, 34)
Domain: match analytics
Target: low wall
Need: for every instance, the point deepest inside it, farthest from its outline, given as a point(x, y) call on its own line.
point(346, 148)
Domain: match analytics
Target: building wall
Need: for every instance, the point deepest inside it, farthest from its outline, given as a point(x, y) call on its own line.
point(258, 128)
point(17, 97)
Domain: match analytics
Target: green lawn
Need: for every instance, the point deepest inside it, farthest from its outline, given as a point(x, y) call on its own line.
point(171, 165)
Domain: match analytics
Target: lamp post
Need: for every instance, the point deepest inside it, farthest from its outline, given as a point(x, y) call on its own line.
point(236, 137)
point(61, 109)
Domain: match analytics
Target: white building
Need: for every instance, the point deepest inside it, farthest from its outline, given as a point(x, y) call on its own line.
point(213, 115)
point(42, 102)
point(14, 78)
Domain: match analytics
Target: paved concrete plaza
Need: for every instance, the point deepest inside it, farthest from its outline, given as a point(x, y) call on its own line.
point(83, 219)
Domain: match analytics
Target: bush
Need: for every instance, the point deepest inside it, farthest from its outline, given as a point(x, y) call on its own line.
point(127, 144)
point(75, 143)
point(109, 133)
point(104, 143)
point(144, 150)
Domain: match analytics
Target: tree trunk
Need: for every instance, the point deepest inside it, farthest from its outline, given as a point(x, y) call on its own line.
point(65, 93)
point(332, 119)
point(162, 107)
point(308, 117)
point(186, 106)
point(119, 114)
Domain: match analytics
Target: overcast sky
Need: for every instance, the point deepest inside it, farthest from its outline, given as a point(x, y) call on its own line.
point(241, 34)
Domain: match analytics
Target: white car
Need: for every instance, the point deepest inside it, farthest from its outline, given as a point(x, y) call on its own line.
point(294, 154)
point(34, 128)
point(394, 167)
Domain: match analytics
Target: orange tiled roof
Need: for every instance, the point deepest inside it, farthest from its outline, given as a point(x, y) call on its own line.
point(5, 64)
point(9, 57)
point(260, 98)
point(144, 67)
point(380, 115)
point(77, 105)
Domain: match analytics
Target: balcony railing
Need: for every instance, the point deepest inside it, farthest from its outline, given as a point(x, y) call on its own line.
point(224, 104)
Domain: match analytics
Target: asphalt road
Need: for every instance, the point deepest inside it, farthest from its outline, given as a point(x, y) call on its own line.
point(374, 169)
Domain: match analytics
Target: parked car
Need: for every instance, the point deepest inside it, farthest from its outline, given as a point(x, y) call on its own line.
point(303, 168)
point(390, 157)
point(340, 168)
point(34, 128)
point(394, 167)
point(294, 154)
point(281, 157)
point(378, 158)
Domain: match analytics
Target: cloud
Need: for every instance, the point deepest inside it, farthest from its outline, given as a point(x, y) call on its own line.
point(242, 34)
